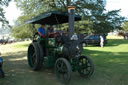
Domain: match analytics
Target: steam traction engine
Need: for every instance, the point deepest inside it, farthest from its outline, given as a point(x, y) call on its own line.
point(62, 51)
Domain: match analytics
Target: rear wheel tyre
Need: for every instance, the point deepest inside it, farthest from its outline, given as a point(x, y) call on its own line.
point(41, 50)
point(63, 70)
point(86, 66)
point(2, 75)
point(34, 56)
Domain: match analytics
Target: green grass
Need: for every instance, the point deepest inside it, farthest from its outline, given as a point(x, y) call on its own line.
point(111, 66)
point(110, 62)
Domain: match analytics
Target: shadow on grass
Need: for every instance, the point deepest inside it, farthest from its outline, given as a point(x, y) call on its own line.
point(18, 72)
point(110, 69)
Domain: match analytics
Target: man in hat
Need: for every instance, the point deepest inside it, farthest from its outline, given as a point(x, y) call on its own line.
point(42, 31)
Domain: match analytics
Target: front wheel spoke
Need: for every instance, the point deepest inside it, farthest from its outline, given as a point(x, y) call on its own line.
point(64, 70)
point(82, 70)
point(65, 76)
point(85, 66)
point(62, 65)
point(87, 70)
point(58, 68)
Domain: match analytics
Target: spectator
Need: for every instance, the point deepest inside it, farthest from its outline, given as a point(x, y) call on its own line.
point(51, 29)
point(101, 41)
point(1, 70)
point(51, 32)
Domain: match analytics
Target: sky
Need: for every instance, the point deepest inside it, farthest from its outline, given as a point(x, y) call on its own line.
point(118, 4)
point(12, 12)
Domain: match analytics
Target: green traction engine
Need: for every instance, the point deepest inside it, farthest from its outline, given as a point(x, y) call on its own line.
point(62, 51)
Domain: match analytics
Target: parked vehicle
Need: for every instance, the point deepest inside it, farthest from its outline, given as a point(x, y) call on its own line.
point(2, 41)
point(11, 40)
point(93, 40)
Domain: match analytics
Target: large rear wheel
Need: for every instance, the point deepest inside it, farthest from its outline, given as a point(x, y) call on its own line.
point(63, 70)
point(35, 58)
point(1, 73)
point(86, 66)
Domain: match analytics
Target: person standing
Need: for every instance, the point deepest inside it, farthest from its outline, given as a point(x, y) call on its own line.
point(50, 29)
point(101, 41)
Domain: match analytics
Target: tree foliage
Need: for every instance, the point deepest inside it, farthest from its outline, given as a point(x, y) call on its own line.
point(2, 13)
point(21, 30)
point(125, 26)
point(106, 22)
point(94, 17)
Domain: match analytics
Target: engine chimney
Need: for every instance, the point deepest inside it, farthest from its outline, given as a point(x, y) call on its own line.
point(71, 11)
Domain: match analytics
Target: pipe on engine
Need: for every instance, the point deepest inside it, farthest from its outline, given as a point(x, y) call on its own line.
point(71, 11)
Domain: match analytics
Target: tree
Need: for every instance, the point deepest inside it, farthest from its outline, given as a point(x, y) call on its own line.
point(2, 17)
point(94, 17)
point(104, 22)
point(125, 26)
point(21, 30)
point(30, 7)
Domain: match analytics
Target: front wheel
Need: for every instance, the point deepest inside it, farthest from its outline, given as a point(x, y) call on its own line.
point(86, 66)
point(63, 70)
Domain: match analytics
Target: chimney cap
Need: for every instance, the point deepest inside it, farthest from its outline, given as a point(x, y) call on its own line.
point(71, 7)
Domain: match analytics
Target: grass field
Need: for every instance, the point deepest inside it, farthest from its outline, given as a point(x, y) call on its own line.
point(111, 66)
